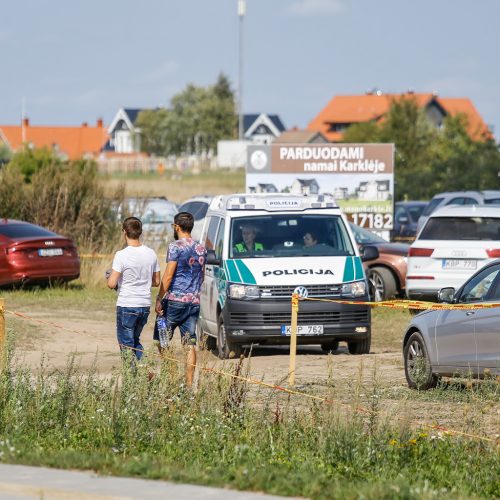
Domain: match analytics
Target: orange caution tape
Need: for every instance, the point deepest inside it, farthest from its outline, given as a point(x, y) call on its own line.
point(410, 304)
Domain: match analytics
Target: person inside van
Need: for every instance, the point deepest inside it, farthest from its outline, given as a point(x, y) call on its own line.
point(310, 239)
point(248, 245)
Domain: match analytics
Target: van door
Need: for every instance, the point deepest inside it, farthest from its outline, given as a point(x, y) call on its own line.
point(218, 281)
point(207, 288)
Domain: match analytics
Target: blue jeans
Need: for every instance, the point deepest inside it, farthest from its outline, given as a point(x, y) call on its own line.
point(183, 315)
point(129, 324)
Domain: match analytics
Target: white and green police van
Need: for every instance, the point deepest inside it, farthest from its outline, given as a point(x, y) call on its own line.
point(250, 278)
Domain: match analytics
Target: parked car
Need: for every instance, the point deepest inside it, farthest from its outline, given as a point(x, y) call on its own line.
point(198, 206)
point(454, 243)
point(32, 254)
point(387, 273)
point(157, 215)
point(456, 342)
point(406, 215)
point(458, 198)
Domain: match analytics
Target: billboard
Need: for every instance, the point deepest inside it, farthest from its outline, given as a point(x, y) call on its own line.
point(359, 176)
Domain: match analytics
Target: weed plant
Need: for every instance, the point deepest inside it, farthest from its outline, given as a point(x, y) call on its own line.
point(222, 434)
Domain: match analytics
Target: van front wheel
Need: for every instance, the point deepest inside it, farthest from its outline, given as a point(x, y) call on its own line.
point(226, 348)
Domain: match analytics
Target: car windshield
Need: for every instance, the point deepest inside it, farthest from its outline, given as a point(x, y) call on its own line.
point(415, 212)
point(289, 236)
point(461, 228)
point(25, 231)
point(197, 208)
point(365, 237)
point(431, 206)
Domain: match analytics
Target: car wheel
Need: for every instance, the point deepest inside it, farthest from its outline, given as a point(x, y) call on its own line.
point(330, 346)
point(382, 283)
point(418, 369)
point(226, 349)
point(360, 346)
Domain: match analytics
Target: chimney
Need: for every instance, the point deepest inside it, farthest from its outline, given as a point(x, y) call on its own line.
point(99, 122)
point(84, 124)
point(26, 122)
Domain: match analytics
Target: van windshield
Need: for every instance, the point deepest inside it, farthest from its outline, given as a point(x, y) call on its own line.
point(461, 228)
point(289, 236)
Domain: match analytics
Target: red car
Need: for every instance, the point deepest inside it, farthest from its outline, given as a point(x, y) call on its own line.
point(32, 254)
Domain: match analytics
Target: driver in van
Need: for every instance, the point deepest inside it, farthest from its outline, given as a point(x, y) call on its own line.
point(248, 245)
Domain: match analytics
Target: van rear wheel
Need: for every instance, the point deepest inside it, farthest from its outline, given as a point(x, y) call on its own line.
point(226, 349)
point(360, 346)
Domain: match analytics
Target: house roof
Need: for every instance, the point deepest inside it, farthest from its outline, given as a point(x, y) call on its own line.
point(74, 142)
point(307, 182)
point(133, 113)
point(295, 136)
point(248, 121)
point(348, 109)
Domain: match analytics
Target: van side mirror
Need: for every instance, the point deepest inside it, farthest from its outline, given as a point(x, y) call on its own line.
point(369, 253)
point(212, 259)
point(446, 295)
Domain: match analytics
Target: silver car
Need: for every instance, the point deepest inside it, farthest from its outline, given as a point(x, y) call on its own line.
point(456, 342)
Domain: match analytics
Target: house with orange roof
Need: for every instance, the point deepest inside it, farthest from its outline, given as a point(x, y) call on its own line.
point(68, 142)
point(345, 110)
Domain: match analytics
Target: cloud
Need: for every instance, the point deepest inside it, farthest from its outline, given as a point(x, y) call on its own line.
point(314, 7)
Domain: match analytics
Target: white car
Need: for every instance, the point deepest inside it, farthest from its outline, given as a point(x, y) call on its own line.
point(157, 215)
point(197, 206)
point(454, 243)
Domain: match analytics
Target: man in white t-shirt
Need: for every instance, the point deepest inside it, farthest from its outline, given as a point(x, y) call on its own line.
point(135, 270)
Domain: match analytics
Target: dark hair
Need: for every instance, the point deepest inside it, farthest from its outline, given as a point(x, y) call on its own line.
point(314, 235)
point(185, 221)
point(132, 227)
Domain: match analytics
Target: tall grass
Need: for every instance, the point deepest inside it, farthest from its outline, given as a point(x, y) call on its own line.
point(225, 435)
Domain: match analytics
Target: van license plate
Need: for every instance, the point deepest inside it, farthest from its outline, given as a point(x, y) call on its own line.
point(303, 330)
point(459, 264)
point(50, 252)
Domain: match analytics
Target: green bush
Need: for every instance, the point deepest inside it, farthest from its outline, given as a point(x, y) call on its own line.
point(63, 196)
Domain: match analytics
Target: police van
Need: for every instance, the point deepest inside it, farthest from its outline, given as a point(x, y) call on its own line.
point(262, 248)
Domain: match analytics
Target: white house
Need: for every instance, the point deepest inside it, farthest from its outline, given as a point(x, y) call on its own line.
point(304, 187)
point(125, 137)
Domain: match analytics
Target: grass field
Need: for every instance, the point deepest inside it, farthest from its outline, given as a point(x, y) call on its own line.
point(233, 434)
point(178, 186)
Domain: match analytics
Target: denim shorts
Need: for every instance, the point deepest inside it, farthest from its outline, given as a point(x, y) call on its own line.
point(183, 315)
point(129, 324)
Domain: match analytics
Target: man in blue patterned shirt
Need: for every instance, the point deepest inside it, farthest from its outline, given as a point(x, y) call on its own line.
point(179, 296)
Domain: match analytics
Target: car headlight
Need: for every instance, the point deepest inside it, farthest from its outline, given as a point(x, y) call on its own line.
point(354, 289)
point(243, 292)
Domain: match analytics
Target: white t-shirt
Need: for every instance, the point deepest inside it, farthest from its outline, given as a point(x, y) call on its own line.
point(136, 265)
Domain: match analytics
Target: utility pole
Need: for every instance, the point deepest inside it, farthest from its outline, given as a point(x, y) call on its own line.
point(241, 15)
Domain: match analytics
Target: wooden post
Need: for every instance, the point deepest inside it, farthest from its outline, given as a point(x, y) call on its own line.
point(3, 337)
point(293, 338)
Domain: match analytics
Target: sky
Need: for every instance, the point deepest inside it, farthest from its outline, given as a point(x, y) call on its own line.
point(74, 62)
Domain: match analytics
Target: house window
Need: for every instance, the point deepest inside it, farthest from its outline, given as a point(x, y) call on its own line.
point(123, 142)
point(338, 127)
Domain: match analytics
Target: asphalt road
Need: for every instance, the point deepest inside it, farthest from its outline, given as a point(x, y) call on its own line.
point(19, 482)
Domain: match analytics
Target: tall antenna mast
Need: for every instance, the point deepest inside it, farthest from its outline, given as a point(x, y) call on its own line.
point(241, 15)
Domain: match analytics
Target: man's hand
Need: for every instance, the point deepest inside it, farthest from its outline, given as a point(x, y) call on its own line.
point(158, 307)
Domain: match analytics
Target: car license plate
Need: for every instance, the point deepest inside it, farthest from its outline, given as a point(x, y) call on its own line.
point(303, 330)
point(459, 264)
point(50, 252)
